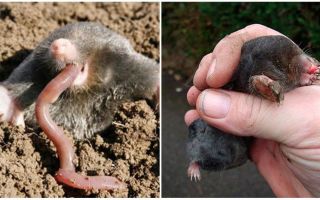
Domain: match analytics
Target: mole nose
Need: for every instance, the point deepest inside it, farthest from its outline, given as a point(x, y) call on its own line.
point(59, 46)
point(62, 49)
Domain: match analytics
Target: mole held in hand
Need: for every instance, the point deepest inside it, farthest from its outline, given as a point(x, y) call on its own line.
point(269, 67)
point(85, 71)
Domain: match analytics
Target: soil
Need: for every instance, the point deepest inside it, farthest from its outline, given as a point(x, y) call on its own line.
point(129, 149)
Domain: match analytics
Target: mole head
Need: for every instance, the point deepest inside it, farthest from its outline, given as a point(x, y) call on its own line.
point(98, 51)
point(64, 51)
point(213, 149)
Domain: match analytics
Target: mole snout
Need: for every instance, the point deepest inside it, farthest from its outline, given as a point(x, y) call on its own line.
point(63, 50)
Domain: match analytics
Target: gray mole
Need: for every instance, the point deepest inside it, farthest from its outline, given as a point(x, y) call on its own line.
point(214, 149)
point(117, 73)
point(269, 66)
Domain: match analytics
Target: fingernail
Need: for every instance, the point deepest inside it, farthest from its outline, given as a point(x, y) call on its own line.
point(212, 68)
point(215, 104)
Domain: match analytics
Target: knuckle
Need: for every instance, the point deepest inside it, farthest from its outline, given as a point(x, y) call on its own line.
point(254, 27)
point(198, 78)
point(205, 59)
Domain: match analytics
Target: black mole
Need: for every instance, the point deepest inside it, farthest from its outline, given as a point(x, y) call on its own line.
point(269, 66)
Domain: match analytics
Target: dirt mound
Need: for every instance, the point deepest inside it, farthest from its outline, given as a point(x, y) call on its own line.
point(129, 149)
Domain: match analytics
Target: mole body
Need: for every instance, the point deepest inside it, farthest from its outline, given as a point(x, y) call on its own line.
point(269, 66)
point(111, 72)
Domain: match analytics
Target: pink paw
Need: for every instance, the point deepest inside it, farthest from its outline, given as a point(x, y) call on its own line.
point(307, 79)
point(9, 111)
point(194, 171)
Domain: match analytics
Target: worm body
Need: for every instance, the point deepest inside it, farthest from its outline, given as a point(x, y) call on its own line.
point(66, 173)
point(79, 181)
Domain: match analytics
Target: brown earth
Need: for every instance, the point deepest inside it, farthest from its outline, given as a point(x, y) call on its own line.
point(129, 149)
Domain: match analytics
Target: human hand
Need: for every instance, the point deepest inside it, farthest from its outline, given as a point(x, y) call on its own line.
point(287, 151)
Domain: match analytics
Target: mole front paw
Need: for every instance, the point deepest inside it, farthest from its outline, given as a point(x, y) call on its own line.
point(9, 111)
point(308, 79)
point(309, 76)
point(267, 88)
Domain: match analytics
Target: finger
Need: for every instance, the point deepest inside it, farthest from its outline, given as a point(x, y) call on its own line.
point(246, 115)
point(192, 95)
point(199, 79)
point(226, 54)
point(191, 116)
point(271, 164)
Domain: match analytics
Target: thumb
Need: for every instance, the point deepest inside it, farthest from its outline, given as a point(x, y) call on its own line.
point(247, 115)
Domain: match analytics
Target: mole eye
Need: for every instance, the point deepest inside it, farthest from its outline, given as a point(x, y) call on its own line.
point(82, 69)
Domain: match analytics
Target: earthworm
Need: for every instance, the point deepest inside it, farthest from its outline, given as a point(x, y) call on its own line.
point(67, 174)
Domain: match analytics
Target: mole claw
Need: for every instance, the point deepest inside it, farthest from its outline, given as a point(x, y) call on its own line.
point(197, 177)
point(194, 172)
point(267, 88)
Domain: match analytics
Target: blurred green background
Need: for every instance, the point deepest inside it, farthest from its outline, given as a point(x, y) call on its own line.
point(191, 30)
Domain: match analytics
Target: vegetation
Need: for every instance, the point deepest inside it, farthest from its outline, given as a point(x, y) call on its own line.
point(195, 28)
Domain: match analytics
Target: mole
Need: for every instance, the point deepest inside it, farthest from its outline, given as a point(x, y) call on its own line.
point(85, 71)
point(269, 67)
